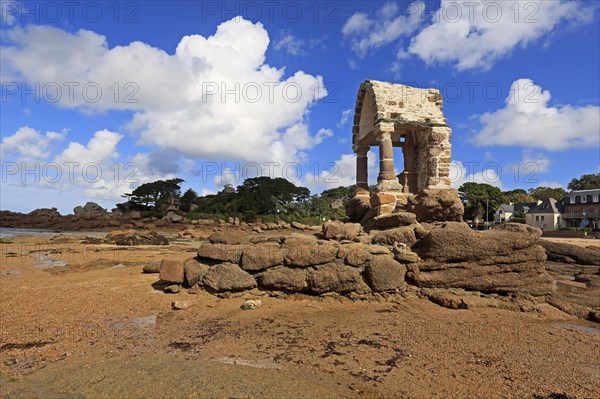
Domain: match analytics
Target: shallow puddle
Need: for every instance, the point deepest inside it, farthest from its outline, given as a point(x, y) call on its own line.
point(45, 262)
point(581, 328)
point(261, 364)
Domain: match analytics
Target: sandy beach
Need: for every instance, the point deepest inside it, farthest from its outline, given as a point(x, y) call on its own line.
point(83, 321)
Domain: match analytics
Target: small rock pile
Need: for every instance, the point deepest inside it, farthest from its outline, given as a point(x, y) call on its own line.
point(134, 237)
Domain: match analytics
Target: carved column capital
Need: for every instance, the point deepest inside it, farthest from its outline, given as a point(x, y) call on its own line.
point(361, 151)
point(387, 127)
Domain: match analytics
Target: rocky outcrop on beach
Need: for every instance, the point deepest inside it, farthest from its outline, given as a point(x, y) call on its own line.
point(344, 259)
point(89, 210)
point(506, 259)
point(93, 217)
point(436, 205)
point(135, 237)
point(88, 217)
point(568, 253)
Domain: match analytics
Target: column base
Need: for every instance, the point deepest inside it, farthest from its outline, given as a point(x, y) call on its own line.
point(410, 182)
point(361, 192)
point(388, 185)
point(385, 203)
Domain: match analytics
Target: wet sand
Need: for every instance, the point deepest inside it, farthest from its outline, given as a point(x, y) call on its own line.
point(98, 327)
point(582, 242)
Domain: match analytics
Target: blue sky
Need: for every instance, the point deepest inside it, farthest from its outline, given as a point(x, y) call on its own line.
point(213, 92)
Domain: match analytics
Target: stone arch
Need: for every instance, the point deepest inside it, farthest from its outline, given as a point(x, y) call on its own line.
point(393, 115)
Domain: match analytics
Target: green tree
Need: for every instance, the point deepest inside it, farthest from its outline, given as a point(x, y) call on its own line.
point(187, 199)
point(323, 203)
point(543, 193)
point(585, 182)
point(518, 217)
point(154, 195)
point(343, 192)
point(263, 195)
point(517, 196)
point(481, 196)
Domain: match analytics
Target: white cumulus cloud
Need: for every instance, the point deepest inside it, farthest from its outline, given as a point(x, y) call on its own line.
point(474, 35)
point(341, 172)
point(93, 170)
point(459, 174)
point(528, 120)
point(535, 162)
point(296, 46)
point(345, 117)
point(214, 98)
point(389, 23)
point(28, 143)
point(291, 44)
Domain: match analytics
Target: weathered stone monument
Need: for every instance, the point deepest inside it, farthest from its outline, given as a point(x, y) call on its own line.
point(411, 238)
point(391, 115)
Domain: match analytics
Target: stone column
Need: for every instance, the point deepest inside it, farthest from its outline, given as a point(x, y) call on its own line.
point(437, 153)
point(386, 181)
point(362, 172)
point(409, 176)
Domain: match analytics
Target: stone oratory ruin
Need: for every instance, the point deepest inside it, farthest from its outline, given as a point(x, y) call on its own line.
point(389, 115)
point(406, 237)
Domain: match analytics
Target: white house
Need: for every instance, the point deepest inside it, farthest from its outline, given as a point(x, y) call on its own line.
point(547, 215)
point(505, 212)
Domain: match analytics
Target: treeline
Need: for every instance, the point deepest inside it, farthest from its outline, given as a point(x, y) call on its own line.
point(278, 199)
point(257, 198)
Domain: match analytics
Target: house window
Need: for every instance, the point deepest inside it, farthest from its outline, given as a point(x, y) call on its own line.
point(542, 218)
point(595, 198)
point(583, 199)
point(577, 199)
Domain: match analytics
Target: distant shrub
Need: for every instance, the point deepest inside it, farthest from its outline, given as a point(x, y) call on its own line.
point(574, 229)
point(193, 216)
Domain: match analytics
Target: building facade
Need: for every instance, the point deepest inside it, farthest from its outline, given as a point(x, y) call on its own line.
point(582, 209)
point(547, 215)
point(505, 212)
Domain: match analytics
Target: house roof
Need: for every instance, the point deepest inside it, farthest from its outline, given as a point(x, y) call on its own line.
point(524, 206)
point(548, 206)
point(595, 191)
point(518, 207)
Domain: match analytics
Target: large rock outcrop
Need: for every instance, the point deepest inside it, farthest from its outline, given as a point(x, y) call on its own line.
point(89, 210)
point(507, 259)
point(357, 208)
point(569, 253)
point(341, 231)
point(436, 205)
point(399, 235)
point(385, 273)
point(228, 277)
point(336, 278)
